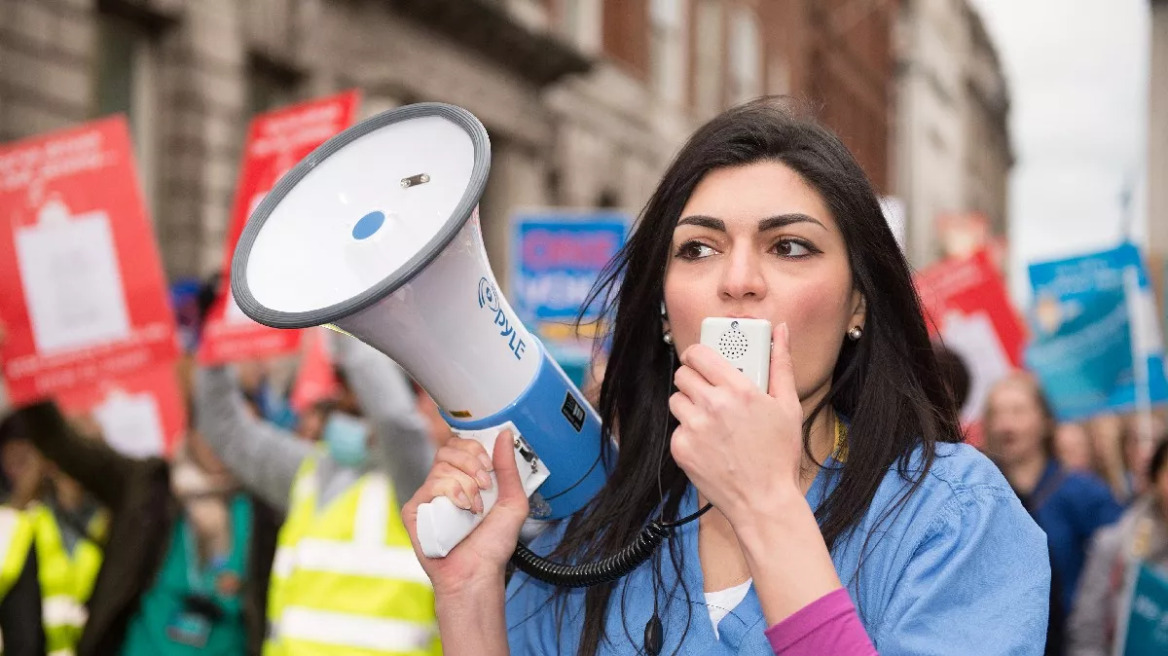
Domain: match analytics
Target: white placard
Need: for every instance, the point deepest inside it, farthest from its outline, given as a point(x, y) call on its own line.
point(69, 273)
point(131, 424)
point(973, 338)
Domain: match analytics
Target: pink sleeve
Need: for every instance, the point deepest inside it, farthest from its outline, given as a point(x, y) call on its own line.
point(828, 625)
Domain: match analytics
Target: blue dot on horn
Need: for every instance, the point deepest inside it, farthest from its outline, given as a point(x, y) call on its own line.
point(368, 225)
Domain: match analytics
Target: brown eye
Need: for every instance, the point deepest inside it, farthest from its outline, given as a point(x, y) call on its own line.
point(793, 248)
point(694, 250)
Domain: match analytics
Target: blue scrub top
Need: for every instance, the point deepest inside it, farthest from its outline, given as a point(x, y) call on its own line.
point(958, 568)
point(1073, 505)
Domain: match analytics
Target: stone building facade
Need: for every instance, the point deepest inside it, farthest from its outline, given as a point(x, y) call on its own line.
point(1158, 139)
point(586, 101)
point(953, 152)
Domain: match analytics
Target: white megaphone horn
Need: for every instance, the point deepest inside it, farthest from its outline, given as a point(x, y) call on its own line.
point(376, 233)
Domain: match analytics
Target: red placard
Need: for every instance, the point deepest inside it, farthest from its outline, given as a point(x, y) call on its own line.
point(276, 141)
point(82, 293)
point(967, 306)
point(315, 380)
point(140, 414)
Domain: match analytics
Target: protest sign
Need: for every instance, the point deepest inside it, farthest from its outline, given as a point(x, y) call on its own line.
point(82, 292)
point(556, 258)
point(276, 141)
point(1097, 346)
point(1144, 622)
point(141, 414)
point(967, 307)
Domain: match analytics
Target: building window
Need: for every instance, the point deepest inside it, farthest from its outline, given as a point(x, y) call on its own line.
point(708, 56)
point(580, 23)
point(126, 83)
point(270, 85)
point(667, 50)
point(745, 57)
point(626, 31)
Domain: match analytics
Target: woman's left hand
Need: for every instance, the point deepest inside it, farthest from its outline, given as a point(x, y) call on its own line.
point(738, 445)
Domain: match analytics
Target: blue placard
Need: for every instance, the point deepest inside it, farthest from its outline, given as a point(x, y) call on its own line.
point(556, 258)
point(1093, 317)
point(1147, 614)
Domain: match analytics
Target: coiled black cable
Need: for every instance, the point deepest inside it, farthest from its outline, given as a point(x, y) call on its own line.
point(607, 569)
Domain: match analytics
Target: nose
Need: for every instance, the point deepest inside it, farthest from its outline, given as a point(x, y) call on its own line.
point(742, 276)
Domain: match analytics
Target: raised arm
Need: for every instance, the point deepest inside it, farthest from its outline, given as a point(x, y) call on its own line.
point(403, 447)
point(99, 469)
point(261, 456)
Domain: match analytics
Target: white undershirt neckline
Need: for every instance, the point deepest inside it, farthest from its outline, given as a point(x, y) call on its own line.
point(721, 602)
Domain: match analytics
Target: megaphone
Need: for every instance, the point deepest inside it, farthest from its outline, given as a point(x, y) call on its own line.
point(376, 233)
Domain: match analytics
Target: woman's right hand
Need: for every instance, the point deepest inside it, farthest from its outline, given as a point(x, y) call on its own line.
point(481, 558)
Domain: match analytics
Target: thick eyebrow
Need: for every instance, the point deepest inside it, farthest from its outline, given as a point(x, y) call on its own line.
point(769, 223)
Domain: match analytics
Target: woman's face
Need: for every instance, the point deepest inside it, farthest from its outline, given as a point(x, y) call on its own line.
point(1072, 446)
point(757, 241)
point(1016, 424)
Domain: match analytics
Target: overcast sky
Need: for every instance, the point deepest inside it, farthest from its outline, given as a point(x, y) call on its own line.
point(1078, 76)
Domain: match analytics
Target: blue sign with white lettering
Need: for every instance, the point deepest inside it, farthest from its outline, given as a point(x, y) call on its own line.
point(1097, 345)
point(1147, 619)
point(556, 258)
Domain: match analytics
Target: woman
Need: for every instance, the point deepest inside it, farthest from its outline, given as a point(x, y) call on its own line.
point(1110, 446)
point(844, 474)
point(1140, 536)
point(1072, 447)
point(1069, 506)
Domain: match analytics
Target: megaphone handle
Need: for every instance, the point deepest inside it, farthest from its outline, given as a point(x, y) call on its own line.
point(442, 525)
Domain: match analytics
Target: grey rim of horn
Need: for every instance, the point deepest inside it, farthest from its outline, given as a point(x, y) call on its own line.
point(466, 205)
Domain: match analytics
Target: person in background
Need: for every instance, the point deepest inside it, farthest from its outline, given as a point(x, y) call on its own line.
point(20, 593)
point(1072, 447)
point(440, 431)
point(1108, 437)
point(175, 579)
point(343, 557)
point(1069, 506)
point(1140, 536)
point(310, 424)
point(68, 529)
point(954, 372)
point(1141, 435)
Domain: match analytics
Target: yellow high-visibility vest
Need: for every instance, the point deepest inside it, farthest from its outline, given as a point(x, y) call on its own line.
point(345, 580)
point(66, 579)
point(15, 540)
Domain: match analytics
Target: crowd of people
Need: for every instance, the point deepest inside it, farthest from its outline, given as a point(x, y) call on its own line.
point(288, 534)
point(1100, 493)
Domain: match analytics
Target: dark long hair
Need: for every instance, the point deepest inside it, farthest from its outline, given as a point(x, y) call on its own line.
point(887, 384)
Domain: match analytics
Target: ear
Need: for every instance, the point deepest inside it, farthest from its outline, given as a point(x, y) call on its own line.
point(859, 309)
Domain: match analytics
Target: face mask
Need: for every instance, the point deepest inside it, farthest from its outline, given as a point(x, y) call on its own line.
point(347, 439)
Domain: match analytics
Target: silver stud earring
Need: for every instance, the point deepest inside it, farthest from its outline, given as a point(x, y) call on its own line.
point(855, 333)
point(666, 335)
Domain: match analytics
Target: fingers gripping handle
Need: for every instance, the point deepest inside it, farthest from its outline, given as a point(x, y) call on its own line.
point(442, 525)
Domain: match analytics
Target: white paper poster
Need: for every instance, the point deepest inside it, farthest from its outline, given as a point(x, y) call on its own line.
point(69, 273)
point(974, 339)
point(131, 424)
